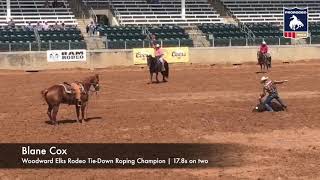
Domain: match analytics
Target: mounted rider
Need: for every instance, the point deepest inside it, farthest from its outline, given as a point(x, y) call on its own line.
point(159, 54)
point(269, 86)
point(264, 49)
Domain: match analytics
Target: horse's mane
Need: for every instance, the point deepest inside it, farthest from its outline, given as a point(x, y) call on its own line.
point(90, 78)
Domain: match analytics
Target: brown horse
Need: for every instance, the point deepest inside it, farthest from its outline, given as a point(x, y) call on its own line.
point(57, 94)
point(263, 61)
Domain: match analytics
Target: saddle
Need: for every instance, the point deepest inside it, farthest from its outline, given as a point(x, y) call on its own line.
point(69, 89)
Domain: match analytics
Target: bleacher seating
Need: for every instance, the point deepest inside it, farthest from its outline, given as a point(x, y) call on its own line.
point(3, 11)
point(232, 35)
point(133, 36)
point(263, 30)
point(314, 29)
point(16, 39)
point(165, 12)
point(21, 39)
point(269, 10)
point(35, 11)
point(222, 30)
point(60, 39)
point(222, 33)
point(16, 35)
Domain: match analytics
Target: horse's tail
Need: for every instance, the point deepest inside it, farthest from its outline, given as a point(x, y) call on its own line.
point(44, 93)
point(166, 66)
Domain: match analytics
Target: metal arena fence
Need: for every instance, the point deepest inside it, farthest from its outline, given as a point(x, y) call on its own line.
point(123, 44)
point(43, 46)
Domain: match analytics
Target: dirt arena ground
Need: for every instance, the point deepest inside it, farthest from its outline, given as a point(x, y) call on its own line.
point(199, 104)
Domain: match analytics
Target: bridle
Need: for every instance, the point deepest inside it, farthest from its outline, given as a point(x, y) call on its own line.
point(96, 87)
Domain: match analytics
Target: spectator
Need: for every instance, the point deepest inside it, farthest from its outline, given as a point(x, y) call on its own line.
point(153, 37)
point(87, 28)
point(54, 4)
point(63, 26)
point(91, 29)
point(154, 2)
point(97, 28)
point(11, 24)
point(56, 26)
point(29, 26)
point(46, 4)
point(46, 26)
point(39, 26)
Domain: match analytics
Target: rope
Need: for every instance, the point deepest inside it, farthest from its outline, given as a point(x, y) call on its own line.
point(86, 116)
point(87, 107)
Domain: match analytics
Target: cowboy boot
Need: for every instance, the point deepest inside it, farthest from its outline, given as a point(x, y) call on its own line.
point(162, 67)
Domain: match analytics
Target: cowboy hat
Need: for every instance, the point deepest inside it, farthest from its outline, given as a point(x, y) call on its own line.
point(157, 45)
point(264, 78)
point(263, 42)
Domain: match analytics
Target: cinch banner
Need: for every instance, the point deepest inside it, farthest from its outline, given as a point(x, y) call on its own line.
point(171, 55)
point(66, 55)
point(295, 22)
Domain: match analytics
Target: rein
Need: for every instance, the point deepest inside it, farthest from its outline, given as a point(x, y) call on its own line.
point(88, 92)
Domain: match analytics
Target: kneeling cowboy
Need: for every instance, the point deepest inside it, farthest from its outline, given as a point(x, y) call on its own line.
point(269, 86)
point(77, 89)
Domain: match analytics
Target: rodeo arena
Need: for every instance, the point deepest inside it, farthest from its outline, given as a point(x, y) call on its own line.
point(242, 75)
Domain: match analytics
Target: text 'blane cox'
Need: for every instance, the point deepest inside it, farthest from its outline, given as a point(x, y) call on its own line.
point(52, 150)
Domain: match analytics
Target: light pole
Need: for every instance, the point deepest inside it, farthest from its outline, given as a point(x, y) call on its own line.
point(8, 10)
point(183, 9)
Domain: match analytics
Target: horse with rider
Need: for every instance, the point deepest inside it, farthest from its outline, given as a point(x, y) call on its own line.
point(158, 64)
point(263, 56)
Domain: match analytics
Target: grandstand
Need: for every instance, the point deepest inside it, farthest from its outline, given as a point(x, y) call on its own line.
point(138, 36)
point(36, 12)
point(23, 12)
point(129, 12)
point(172, 22)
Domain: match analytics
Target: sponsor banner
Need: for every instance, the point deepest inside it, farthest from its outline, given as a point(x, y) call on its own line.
point(171, 55)
point(295, 22)
point(66, 55)
point(140, 55)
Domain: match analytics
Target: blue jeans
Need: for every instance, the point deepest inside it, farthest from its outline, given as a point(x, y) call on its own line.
point(162, 63)
point(267, 101)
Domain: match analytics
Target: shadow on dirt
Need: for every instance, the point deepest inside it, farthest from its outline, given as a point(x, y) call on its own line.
point(155, 82)
point(261, 72)
point(70, 121)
